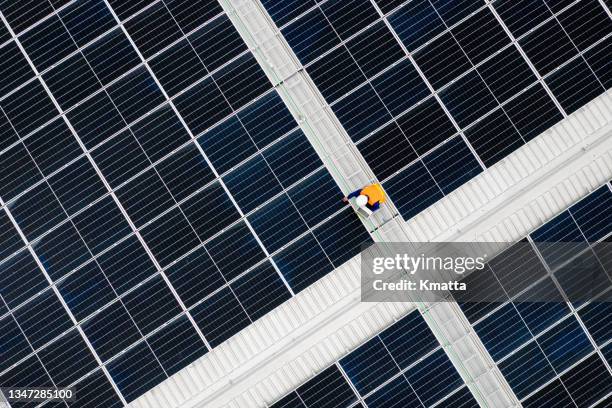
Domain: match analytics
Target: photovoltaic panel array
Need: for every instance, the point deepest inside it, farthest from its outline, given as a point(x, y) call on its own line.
point(553, 353)
point(403, 366)
point(157, 195)
point(433, 92)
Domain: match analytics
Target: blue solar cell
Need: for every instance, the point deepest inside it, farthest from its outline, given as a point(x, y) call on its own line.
point(361, 112)
point(160, 133)
point(151, 38)
point(151, 305)
point(120, 158)
point(37, 211)
point(468, 99)
point(61, 251)
point(184, 172)
point(600, 60)
point(95, 119)
point(10, 241)
point(322, 185)
point(517, 268)
point(524, 381)
point(227, 144)
point(452, 164)
point(20, 279)
point(8, 136)
point(126, 264)
point(434, 377)
point(461, 399)
point(30, 373)
point(453, 11)
point(67, 359)
point(241, 81)
point(202, 106)
point(586, 22)
point(595, 316)
point(4, 34)
point(522, 15)
point(396, 393)
point(125, 9)
point(292, 159)
point(342, 237)
point(416, 23)
point(220, 317)
point(369, 366)
point(170, 236)
point(311, 36)
point(349, 16)
point(145, 197)
point(409, 340)
point(483, 295)
point(548, 46)
point(235, 250)
point(387, 151)
point(86, 291)
point(87, 20)
point(375, 49)
point(134, 382)
point(506, 73)
point(554, 395)
point(565, 344)
point(178, 67)
point(189, 14)
point(260, 290)
point(177, 345)
point(388, 5)
point(14, 344)
point(413, 190)
point(328, 389)
point(96, 389)
point(400, 87)
point(426, 126)
point(290, 401)
point(532, 112)
point(47, 43)
point(574, 85)
point(277, 223)
point(442, 60)
point(558, 5)
point(607, 353)
point(494, 137)
point(541, 306)
point(135, 94)
point(583, 278)
point(195, 277)
point(217, 43)
point(594, 214)
point(14, 67)
point(502, 332)
point(252, 184)
point(111, 56)
point(53, 146)
point(101, 225)
point(267, 119)
point(303, 263)
point(19, 172)
point(588, 382)
point(210, 211)
point(28, 108)
point(336, 74)
point(286, 10)
point(111, 331)
point(480, 35)
point(20, 16)
point(77, 186)
point(40, 330)
point(563, 231)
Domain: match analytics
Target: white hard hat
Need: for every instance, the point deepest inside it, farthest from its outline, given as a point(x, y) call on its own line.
point(361, 200)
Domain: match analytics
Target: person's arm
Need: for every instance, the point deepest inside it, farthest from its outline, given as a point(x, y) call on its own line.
point(354, 194)
point(375, 206)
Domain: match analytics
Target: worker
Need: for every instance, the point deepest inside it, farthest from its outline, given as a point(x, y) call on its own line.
point(370, 197)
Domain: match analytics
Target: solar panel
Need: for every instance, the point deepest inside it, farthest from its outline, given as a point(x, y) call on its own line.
point(157, 178)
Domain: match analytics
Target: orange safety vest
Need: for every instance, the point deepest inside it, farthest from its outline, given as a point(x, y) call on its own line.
point(375, 193)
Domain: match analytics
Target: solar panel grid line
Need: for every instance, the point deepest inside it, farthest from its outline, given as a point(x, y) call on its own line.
point(66, 309)
point(524, 55)
point(207, 160)
point(52, 13)
point(143, 243)
point(606, 7)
